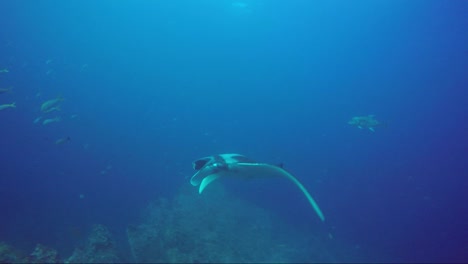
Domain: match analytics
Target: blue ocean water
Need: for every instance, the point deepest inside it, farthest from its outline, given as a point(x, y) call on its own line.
point(150, 86)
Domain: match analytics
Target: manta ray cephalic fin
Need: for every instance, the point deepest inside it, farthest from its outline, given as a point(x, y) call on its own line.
point(207, 180)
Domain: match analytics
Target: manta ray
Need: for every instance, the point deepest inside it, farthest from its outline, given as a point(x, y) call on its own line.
point(238, 166)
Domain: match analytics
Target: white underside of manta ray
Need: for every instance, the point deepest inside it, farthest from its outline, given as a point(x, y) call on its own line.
point(238, 166)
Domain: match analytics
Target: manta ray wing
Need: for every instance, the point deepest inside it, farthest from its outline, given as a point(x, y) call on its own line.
point(234, 170)
point(260, 170)
point(263, 170)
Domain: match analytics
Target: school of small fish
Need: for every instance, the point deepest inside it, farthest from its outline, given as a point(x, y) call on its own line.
point(49, 110)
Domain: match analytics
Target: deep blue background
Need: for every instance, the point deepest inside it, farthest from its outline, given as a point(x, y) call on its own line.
point(157, 84)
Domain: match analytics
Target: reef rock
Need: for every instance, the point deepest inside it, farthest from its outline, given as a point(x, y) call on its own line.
point(209, 228)
point(10, 255)
point(99, 248)
point(43, 254)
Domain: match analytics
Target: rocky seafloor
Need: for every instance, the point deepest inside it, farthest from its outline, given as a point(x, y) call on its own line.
point(191, 228)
